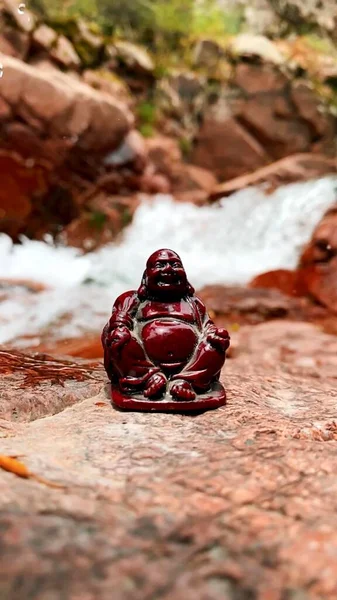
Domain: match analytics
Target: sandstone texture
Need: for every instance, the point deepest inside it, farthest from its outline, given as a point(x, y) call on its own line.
point(235, 503)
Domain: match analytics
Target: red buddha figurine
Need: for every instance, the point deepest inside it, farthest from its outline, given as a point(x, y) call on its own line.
point(161, 350)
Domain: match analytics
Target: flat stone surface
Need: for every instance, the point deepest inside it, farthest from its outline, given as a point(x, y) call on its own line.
point(236, 503)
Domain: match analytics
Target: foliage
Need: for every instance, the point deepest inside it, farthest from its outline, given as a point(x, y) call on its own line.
point(146, 130)
point(185, 145)
point(97, 220)
point(163, 24)
point(88, 9)
point(146, 113)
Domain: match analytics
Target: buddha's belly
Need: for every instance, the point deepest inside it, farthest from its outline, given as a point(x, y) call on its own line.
point(169, 342)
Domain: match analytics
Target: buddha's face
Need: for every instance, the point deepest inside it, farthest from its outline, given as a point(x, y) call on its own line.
point(166, 274)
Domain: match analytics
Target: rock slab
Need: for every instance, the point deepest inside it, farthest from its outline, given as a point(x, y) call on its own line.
point(234, 503)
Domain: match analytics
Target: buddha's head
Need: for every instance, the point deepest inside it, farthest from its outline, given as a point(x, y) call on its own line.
point(165, 276)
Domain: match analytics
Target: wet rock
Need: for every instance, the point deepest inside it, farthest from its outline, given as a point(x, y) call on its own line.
point(283, 280)
point(139, 505)
point(103, 217)
point(87, 347)
point(90, 231)
point(20, 182)
point(299, 167)
point(36, 385)
point(317, 268)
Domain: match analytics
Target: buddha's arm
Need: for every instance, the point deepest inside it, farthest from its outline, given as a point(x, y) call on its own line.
point(121, 321)
point(124, 310)
point(217, 337)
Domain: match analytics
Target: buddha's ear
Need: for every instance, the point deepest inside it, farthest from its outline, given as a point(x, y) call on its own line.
point(190, 289)
point(142, 290)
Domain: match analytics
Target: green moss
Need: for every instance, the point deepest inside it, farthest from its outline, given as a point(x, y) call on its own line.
point(185, 145)
point(146, 130)
point(146, 112)
point(322, 45)
point(97, 220)
point(126, 217)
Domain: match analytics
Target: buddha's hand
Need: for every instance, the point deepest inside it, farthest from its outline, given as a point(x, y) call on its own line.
point(118, 337)
point(219, 339)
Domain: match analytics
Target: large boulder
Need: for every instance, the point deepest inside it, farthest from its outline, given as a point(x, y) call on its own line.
point(62, 106)
point(239, 502)
point(224, 146)
point(317, 268)
point(55, 122)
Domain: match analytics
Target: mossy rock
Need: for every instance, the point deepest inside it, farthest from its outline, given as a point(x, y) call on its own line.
point(89, 45)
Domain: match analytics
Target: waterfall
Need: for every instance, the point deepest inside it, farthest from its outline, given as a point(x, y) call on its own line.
point(229, 242)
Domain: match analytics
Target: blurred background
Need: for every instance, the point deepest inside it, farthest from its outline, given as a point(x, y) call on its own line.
point(207, 126)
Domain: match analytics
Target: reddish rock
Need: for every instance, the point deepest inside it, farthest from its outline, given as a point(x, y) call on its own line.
point(14, 42)
point(44, 37)
point(105, 81)
point(88, 347)
point(257, 79)
point(309, 108)
point(65, 106)
point(90, 231)
point(237, 305)
point(36, 385)
point(192, 184)
point(279, 136)
point(19, 182)
point(164, 153)
point(153, 183)
point(21, 15)
point(281, 279)
point(226, 148)
point(237, 502)
point(299, 167)
point(64, 53)
point(5, 110)
point(103, 217)
point(317, 269)
point(132, 152)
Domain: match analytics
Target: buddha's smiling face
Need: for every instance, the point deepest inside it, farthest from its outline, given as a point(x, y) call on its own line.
point(166, 274)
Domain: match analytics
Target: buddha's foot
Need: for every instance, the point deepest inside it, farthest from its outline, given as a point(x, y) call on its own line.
point(155, 386)
point(182, 390)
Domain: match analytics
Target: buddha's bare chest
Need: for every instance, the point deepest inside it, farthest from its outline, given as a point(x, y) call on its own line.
point(182, 310)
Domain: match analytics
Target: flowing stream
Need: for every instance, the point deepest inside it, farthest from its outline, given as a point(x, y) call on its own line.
point(230, 242)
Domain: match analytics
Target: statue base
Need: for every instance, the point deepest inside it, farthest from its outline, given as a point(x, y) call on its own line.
point(214, 398)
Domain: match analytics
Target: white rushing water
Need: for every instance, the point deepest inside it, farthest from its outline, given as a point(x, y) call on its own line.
point(231, 242)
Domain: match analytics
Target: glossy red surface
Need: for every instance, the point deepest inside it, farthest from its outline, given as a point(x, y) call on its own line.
point(161, 349)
